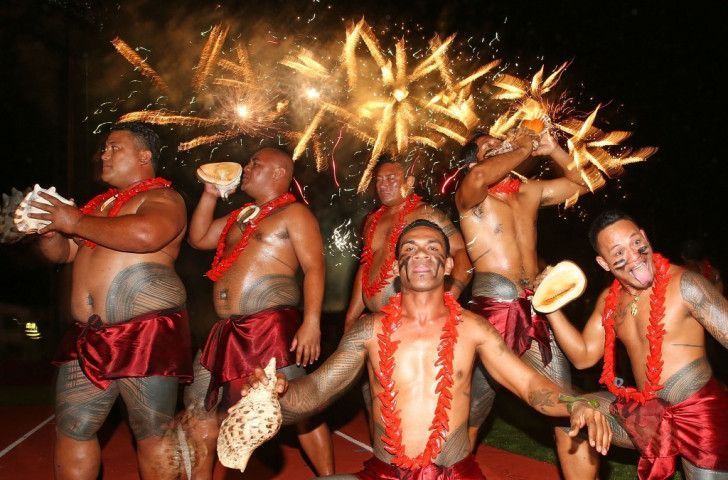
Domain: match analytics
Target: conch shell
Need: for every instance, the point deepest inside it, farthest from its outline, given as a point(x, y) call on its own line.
point(22, 220)
point(562, 284)
point(251, 422)
point(224, 175)
point(8, 232)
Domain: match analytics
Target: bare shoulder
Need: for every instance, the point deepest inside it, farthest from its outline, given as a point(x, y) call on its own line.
point(163, 196)
point(694, 288)
point(477, 326)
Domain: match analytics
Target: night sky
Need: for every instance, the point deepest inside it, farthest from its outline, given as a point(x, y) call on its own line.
point(654, 64)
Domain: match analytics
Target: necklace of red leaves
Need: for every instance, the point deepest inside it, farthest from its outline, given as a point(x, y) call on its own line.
point(512, 185)
point(655, 333)
point(120, 198)
point(367, 256)
point(392, 437)
point(220, 265)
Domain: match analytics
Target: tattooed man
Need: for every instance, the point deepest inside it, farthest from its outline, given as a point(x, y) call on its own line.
point(131, 337)
point(498, 220)
point(660, 312)
point(256, 294)
point(374, 281)
point(419, 353)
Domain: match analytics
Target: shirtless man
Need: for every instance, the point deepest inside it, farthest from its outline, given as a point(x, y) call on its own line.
point(498, 220)
point(131, 337)
point(671, 367)
point(420, 348)
point(257, 296)
point(381, 229)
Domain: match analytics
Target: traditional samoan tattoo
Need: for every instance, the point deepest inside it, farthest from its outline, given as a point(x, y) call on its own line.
point(456, 447)
point(686, 381)
point(151, 402)
point(311, 394)
point(541, 398)
point(494, 285)
point(143, 288)
point(706, 305)
point(378, 445)
point(80, 406)
point(194, 394)
point(269, 291)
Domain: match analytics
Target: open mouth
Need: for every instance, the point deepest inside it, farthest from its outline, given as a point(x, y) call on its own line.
point(641, 273)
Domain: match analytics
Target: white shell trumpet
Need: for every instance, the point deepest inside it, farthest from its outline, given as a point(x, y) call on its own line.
point(251, 422)
point(225, 176)
point(22, 219)
point(8, 232)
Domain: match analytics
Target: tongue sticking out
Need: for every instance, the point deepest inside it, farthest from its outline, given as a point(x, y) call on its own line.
point(642, 274)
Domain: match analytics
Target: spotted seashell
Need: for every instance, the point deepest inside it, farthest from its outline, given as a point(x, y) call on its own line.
point(8, 232)
point(251, 422)
point(23, 222)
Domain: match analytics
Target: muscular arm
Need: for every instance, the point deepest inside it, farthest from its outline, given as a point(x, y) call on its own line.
point(554, 192)
point(583, 349)
point(474, 187)
point(303, 229)
point(204, 230)
point(462, 270)
point(705, 304)
point(510, 371)
point(157, 221)
point(57, 248)
point(313, 393)
point(356, 304)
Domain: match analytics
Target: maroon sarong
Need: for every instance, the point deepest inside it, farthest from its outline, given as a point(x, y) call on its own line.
point(466, 469)
point(239, 344)
point(156, 343)
point(516, 321)
point(696, 428)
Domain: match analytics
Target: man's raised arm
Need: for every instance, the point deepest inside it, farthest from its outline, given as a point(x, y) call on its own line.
point(554, 192)
point(311, 394)
point(474, 187)
point(705, 304)
point(204, 229)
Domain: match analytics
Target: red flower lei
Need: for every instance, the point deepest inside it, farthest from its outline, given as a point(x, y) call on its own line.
point(512, 185)
point(655, 333)
point(121, 198)
point(220, 264)
point(367, 255)
point(392, 437)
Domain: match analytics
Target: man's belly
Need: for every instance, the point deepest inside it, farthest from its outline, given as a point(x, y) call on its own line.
point(119, 292)
point(494, 285)
point(253, 293)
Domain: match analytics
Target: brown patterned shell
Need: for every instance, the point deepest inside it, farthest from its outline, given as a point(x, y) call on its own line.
point(251, 422)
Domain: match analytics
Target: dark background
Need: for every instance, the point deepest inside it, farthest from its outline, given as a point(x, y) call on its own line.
point(656, 65)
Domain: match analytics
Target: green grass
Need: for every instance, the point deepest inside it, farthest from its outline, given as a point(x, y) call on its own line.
point(516, 428)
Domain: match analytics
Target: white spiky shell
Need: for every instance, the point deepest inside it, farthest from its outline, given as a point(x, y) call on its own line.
point(8, 232)
point(225, 176)
point(251, 422)
point(23, 222)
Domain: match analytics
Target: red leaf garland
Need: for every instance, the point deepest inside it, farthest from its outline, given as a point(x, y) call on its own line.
point(655, 333)
point(392, 437)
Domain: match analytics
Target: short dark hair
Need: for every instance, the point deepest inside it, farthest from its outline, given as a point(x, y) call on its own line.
point(602, 221)
point(145, 138)
point(421, 222)
point(469, 152)
point(388, 160)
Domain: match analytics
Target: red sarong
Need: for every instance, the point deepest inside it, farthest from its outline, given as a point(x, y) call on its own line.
point(156, 343)
point(239, 344)
point(466, 469)
point(696, 428)
point(516, 321)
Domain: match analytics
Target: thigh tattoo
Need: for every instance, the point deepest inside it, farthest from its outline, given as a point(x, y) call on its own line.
point(151, 402)
point(80, 406)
